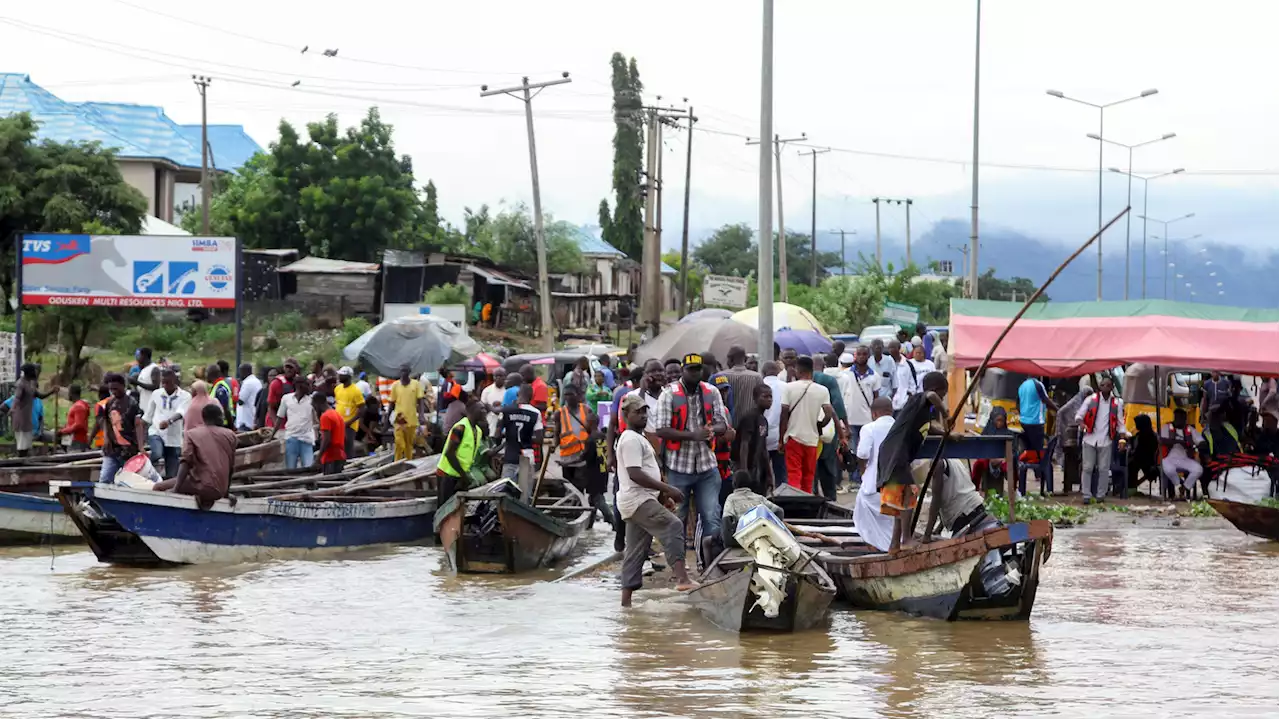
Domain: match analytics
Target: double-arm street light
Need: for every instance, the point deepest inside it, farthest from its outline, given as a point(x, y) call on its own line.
point(1145, 180)
point(1101, 111)
point(1128, 218)
point(1167, 259)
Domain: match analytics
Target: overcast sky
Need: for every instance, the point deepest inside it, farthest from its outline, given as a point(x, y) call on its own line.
point(894, 78)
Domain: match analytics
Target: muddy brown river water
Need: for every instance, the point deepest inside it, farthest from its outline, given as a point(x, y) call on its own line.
point(1131, 622)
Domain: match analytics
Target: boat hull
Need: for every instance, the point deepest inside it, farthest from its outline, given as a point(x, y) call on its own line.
point(34, 519)
point(1252, 519)
point(148, 528)
point(728, 602)
point(942, 579)
point(522, 540)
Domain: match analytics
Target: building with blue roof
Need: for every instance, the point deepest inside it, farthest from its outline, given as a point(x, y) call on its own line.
point(157, 156)
point(609, 275)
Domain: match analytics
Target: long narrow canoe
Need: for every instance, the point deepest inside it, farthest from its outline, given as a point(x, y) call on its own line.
point(1252, 519)
point(725, 598)
point(488, 530)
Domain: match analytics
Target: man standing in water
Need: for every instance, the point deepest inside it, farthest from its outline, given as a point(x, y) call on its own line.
point(640, 493)
point(689, 413)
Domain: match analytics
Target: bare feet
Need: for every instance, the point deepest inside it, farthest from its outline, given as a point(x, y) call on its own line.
point(687, 585)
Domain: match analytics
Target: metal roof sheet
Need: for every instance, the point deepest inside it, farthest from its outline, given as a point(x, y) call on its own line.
point(134, 131)
point(324, 265)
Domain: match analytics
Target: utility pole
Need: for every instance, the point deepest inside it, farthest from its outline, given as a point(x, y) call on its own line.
point(764, 233)
point(651, 282)
point(908, 232)
point(782, 233)
point(844, 263)
point(813, 231)
point(540, 240)
point(879, 261)
point(972, 255)
point(202, 85)
point(889, 200)
point(684, 234)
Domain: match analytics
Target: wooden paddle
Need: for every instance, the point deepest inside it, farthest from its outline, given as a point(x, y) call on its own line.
point(959, 411)
point(812, 535)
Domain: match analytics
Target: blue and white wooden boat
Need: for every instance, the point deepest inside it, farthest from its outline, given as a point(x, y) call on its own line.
point(35, 518)
point(142, 527)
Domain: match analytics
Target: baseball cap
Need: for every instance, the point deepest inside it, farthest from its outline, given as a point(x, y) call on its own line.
point(631, 402)
point(344, 371)
point(692, 360)
point(720, 380)
point(846, 358)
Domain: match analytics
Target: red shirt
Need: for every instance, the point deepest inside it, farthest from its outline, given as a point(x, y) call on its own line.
point(539, 391)
point(275, 394)
point(332, 422)
point(78, 422)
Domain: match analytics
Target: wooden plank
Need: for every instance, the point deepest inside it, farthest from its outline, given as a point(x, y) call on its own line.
point(1011, 475)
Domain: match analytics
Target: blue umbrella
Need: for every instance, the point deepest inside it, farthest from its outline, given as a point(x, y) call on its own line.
point(805, 342)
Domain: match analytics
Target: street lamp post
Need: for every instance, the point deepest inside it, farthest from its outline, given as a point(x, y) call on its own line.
point(1101, 111)
point(1145, 181)
point(1165, 224)
point(1129, 202)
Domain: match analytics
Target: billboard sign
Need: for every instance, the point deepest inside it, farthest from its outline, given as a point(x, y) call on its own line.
point(724, 291)
point(129, 271)
point(901, 314)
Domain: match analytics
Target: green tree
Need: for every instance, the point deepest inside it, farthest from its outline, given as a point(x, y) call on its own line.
point(331, 193)
point(625, 228)
point(62, 187)
point(696, 273)
point(799, 266)
point(730, 250)
point(447, 294)
point(1020, 289)
point(508, 239)
point(235, 196)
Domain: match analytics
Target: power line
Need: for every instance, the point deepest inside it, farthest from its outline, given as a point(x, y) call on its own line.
point(294, 47)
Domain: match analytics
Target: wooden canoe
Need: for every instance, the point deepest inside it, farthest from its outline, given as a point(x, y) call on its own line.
point(725, 598)
point(488, 530)
point(1252, 519)
point(942, 579)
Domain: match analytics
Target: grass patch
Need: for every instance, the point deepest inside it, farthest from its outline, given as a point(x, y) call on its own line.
point(1269, 502)
point(1062, 515)
point(1199, 508)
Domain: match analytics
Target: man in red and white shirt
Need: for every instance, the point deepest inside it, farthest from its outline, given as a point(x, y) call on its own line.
point(1101, 419)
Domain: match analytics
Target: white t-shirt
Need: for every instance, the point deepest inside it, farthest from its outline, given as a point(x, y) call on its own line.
point(805, 398)
point(910, 383)
point(774, 414)
point(650, 422)
point(247, 410)
point(365, 388)
point(1101, 434)
point(170, 407)
point(1179, 451)
point(858, 394)
point(489, 397)
point(869, 441)
point(635, 451)
point(151, 375)
point(299, 417)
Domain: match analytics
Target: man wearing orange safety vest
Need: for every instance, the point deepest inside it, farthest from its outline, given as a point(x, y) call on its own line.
point(576, 432)
point(690, 413)
point(1100, 418)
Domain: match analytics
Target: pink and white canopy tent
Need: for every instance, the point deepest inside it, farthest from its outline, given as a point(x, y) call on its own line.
point(1065, 339)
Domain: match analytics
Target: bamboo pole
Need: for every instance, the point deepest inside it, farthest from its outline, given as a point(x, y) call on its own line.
point(959, 410)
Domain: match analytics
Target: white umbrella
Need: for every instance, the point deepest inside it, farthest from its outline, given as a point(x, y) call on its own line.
point(423, 342)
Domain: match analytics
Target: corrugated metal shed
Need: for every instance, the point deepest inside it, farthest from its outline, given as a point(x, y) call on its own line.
point(324, 265)
point(135, 131)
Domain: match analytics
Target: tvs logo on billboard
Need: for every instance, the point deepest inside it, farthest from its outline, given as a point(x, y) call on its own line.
point(219, 278)
point(53, 249)
point(204, 244)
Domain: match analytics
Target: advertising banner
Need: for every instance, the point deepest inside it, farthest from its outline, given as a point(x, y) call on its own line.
point(129, 271)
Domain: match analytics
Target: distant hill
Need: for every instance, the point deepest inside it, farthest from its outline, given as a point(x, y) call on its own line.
point(1249, 278)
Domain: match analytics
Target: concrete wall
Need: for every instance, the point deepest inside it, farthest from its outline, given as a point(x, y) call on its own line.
point(141, 175)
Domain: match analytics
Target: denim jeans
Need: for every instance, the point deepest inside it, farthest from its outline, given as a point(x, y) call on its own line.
point(779, 462)
point(298, 453)
point(705, 488)
point(855, 431)
point(171, 456)
point(110, 467)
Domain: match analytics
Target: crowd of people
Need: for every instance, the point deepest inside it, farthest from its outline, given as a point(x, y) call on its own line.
point(1101, 455)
